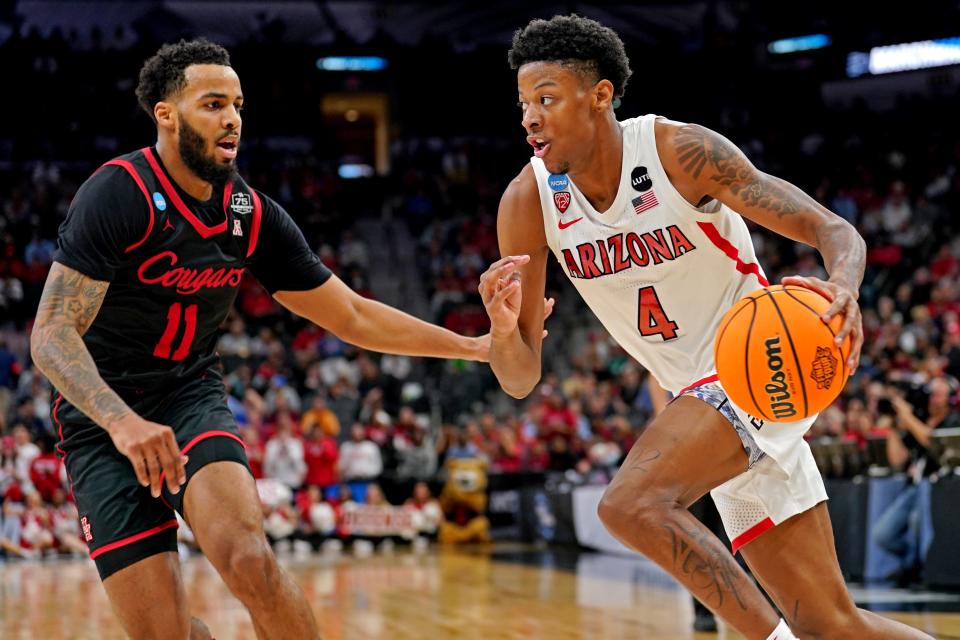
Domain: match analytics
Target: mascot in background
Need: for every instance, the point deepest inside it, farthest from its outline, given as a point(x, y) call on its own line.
point(464, 502)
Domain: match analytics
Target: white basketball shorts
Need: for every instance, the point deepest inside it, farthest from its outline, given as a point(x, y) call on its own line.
point(781, 479)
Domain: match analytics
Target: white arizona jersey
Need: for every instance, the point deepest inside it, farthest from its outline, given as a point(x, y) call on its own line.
point(658, 272)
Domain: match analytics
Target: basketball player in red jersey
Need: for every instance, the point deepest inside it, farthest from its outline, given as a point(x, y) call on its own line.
point(148, 264)
point(653, 206)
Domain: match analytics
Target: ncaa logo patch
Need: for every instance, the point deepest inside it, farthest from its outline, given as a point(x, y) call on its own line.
point(558, 181)
point(158, 201)
point(240, 203)
point(562, 200)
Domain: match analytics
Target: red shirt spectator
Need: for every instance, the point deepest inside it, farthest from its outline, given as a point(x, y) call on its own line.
point(45, 474)
point(321, 455)
point(254, 447)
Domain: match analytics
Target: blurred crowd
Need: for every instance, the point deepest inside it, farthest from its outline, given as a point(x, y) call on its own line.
point(325, 422)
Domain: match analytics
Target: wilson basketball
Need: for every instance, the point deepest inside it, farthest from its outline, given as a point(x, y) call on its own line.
point(776, 359)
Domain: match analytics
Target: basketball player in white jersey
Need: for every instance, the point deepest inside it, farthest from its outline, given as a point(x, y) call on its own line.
point(645, 217)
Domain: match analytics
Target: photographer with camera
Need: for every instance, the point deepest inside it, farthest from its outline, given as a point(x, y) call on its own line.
point(908, 449)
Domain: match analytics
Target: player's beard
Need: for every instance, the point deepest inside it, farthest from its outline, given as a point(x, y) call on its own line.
point(193, 151)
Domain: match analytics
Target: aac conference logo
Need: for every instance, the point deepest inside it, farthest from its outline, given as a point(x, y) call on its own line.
point(558, 181)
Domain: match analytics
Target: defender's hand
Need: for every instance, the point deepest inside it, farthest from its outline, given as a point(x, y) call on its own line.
point(483, 342)
point(844, 301)
point(501, 294)
point(152, 450)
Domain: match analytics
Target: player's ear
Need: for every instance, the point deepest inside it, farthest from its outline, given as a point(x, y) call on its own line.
point(603, 95)
point(165, 115)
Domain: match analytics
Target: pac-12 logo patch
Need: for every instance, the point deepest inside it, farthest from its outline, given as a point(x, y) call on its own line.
point(240, 203)
point(158, 201)
point(558, 181)
point(562, 200)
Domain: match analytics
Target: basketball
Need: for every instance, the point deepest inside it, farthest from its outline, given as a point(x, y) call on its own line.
point(776, 358)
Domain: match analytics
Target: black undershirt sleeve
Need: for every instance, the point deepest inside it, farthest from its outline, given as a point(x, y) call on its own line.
point(282, 260)
point(108, 214)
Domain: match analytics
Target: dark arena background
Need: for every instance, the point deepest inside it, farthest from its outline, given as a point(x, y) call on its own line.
point(389, 132)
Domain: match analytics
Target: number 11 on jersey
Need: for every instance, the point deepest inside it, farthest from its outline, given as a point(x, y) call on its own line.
point(162, 350)
point(652, 320)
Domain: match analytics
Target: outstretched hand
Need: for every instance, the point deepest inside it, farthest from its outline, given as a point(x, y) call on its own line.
point(485, 340)
point(502, 295)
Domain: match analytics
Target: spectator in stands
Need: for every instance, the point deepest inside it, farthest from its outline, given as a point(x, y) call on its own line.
point(539, 457)
point(344, 402)
point(27, 415)
point(11, 531)
point(320, 416)
point(8, 465)
point(562, 457)
point(26, 451)
point(234, 346)
point(908, 448)
point(360, 459)
point(318, 519)
point(283, 457)
point(507, 453)
point(255, 450)
point(10, 371)
point(417, 458)
point(46, 470)
point(321, 456)
point(429, 513)
point(282, 397)
point(460, 446)
point(66, 524)
point(37, 533)
point(375, 497)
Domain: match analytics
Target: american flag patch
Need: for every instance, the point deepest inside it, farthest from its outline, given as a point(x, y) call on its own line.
point(645, 201)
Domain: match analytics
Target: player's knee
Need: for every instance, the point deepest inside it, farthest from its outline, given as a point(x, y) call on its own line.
point(623, 510)
point(250, 569)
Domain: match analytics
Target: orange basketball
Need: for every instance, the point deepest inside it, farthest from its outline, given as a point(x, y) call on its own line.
point(776, 359)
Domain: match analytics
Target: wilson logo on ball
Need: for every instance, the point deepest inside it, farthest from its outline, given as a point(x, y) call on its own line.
point(824, 368)
point(777, 388)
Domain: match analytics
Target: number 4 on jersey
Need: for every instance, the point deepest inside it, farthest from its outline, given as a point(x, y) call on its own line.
point(651, 320)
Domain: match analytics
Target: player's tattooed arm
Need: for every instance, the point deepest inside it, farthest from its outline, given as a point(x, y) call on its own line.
point(704, 165)
point(719, 168)
point(68, 306)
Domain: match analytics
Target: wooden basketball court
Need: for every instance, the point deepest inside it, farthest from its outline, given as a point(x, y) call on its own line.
point(504, 592)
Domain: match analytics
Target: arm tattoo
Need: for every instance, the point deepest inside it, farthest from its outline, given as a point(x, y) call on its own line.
point(711, 572)
point(844, 252)
point(700, 149)
point(68, 306)
point(646, 456)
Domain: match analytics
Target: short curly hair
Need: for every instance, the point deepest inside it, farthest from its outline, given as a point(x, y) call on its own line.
point(163, 75)
point(575, 41)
